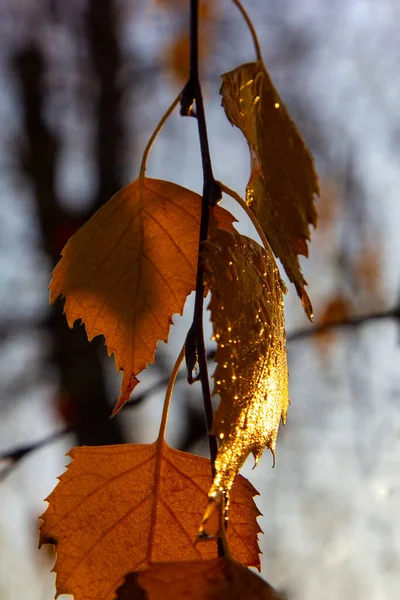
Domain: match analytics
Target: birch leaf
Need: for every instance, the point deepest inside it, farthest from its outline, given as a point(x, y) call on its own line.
point(283, 181)
point(130, 268)
point(251, 376)
point(217, 579)
point(119, 508)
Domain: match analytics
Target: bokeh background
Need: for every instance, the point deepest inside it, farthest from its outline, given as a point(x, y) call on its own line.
point(83, 84)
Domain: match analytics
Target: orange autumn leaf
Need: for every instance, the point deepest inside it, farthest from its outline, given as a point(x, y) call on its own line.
point(217, 579)
point(129, 269)
point(251, 376)
point(118, 508)
point(283, 181)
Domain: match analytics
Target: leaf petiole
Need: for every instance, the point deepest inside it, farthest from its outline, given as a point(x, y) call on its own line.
point(251, 27)
point(168, 393)
point(155, 133)
point(248, 212)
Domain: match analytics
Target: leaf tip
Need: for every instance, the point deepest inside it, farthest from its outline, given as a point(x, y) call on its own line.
point(306, 303)
point(129, 382)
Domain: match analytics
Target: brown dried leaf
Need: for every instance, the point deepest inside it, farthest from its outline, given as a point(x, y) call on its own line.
point(283, 180)
point(130, 268)
point(218, 579)
point(251, 376)
point(118, 508)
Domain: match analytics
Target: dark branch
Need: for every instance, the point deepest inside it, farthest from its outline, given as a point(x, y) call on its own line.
point(195, 346)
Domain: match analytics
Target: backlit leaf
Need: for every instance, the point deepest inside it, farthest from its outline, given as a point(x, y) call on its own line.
point(118, 508)
point(251, 376)
point(283, 180)
point(217, 579)
point(130, 268)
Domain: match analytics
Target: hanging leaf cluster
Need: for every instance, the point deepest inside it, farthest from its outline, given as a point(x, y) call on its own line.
point(149, 521)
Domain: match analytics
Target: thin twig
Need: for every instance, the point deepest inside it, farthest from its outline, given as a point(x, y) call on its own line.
point(195, 344)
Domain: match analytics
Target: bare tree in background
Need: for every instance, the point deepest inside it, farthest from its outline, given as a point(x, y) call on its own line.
point(79, 365)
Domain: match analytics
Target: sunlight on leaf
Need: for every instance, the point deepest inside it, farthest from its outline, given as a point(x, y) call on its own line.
point(129, 269)
point(251, 376)
point(218, 579)
point(118, 508)
point(283, 180)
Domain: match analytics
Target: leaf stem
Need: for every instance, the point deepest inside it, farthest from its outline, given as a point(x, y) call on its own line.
point(157, 130)
point(168, 393)
point(248, 212)
point(251, 27)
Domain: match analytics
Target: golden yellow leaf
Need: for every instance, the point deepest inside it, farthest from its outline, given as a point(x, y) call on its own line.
point(217, 579)
point(251, 376)
point(283, 180)
point(118, 508)
point(130, 268)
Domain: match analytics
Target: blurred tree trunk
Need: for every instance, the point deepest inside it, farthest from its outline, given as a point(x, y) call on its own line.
point(105, 56)
point(78, 362)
